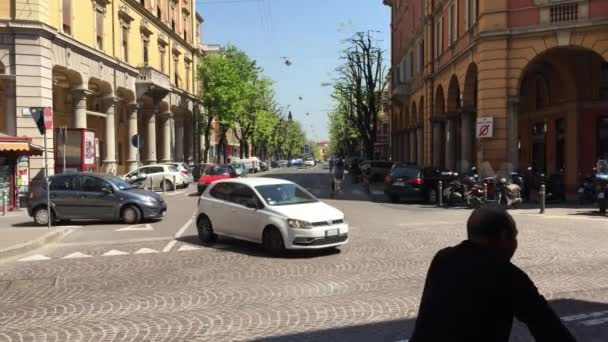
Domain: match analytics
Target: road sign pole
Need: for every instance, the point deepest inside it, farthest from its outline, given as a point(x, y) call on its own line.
point(48, 183)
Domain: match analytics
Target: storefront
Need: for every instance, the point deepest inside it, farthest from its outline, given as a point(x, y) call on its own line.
point(14, 168)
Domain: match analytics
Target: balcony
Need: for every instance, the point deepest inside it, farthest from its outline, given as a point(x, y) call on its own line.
point(152, 83)
point(564, 11)
point(399, 91)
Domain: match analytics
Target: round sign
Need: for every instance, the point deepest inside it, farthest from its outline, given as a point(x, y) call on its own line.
point(137, 140)
point(48, 117)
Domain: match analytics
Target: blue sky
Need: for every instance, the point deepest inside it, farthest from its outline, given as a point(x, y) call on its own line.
point(309, 32)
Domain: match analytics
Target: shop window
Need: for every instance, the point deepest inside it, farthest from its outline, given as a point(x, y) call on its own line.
point(67, 16)
point(539, 131)
point(125, 44)
point(604, 82)
point(602, 138)
point(542, 93)
point(560, 144)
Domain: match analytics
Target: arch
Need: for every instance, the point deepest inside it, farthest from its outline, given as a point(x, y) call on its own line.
point(469, 94)
point(2, 68)
point(125, 95)
point(66, 78)
point(454, 103)
point(421, 111)
point(439, 107)
point(413, 115)
point(99, 87)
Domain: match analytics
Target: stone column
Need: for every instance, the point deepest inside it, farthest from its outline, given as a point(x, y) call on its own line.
point(79, 99)
point(467, 140)
point(449, 144)
point(109, 159)
point(166, 142)
point(189, 141)
point(437, 144)
point(10, 107)
point(150, 139)
point(513, 131)
point(405, 147)
point(179, 138)
point(413, 149)
point(420, 146)
point(133, 130)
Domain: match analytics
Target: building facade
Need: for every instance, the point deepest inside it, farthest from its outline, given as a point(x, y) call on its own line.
point(115, 67)
point(537, 68)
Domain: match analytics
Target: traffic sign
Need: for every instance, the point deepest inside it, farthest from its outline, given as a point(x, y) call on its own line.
point(485, 127)
point(48, 117)
point(137, 140)
point(306, 149)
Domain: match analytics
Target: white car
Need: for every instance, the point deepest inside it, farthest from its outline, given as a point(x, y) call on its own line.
point(162, 176)
point(309, 162)
point(184, 170)
point(276, 213)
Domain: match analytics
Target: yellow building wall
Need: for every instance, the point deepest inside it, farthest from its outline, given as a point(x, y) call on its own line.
point(55, 14)
point(35, 10)
point(6, 8)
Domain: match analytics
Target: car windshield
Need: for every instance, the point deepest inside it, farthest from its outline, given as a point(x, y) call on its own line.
point(284, 194)
point(173, 168)
point(406, 172)
point(217, 171)
point(237, 165)
point(118, 182)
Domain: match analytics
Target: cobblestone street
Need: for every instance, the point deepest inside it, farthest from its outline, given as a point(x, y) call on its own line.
point(233, 291)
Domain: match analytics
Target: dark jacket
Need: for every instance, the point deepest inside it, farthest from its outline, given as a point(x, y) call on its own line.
point(471, 295)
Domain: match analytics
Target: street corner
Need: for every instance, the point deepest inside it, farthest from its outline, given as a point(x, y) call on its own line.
point(15, 242)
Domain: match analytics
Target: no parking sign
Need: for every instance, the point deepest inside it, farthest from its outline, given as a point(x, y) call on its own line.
point(485, 127)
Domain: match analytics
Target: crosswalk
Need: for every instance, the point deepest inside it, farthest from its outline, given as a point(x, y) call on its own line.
point(112, 252)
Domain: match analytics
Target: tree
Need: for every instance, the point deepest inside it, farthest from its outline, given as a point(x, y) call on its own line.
point(266, 123)
point(360, 84)
point(295, 139)
point(343, 137)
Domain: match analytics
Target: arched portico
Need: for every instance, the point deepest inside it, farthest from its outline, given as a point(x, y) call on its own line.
point(438, 120)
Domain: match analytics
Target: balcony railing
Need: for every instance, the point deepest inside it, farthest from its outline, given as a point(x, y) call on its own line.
point(150, 75)
point(563, 13)
point(400, 90)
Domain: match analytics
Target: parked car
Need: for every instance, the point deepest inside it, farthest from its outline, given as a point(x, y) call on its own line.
point(276, 213)
point(162, 176)
point(214, 173)
point(239, 168)
point(283, 163)
point(185, 170)
point(297, 162)
point(309, 162)
point(378, 169)
point(408, 181)
point(250, 164)
point(264, 166)
point(77, 196)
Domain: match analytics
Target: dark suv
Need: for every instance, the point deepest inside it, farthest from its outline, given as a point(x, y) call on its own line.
point(91, 196)
point(407, 181)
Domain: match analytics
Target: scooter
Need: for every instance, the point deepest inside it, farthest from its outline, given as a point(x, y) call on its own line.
point(601, 180)
point(586, 191)
point(455, 193)
point(508, 194)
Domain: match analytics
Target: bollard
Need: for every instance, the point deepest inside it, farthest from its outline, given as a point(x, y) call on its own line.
point(174, 183)
point(4, 202)
point(485, 192)
point(163, 184)
point(541, 194)
point(151, 185)
point(440, 193)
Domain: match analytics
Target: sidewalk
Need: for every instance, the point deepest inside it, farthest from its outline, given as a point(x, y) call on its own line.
point(19, 234)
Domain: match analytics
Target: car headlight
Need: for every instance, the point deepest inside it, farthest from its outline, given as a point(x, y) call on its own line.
point(298, 224)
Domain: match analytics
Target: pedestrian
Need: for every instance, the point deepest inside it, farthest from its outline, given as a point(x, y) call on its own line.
point(338, 175)
point(473, 291)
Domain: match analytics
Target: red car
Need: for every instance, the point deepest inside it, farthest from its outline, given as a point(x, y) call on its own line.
point(214, 173)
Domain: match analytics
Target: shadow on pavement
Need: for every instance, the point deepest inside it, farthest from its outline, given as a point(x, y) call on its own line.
point(587, 321)
point(226, 244)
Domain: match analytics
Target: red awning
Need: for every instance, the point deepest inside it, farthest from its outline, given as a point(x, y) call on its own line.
point(19, 145)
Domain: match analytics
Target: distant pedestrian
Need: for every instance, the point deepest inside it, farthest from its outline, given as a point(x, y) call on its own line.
point(338, 175)
point(473, 291)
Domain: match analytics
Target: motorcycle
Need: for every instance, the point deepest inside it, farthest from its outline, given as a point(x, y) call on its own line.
point(601, 180)
point(455, 193)
point(586, 191)
point(508, 194)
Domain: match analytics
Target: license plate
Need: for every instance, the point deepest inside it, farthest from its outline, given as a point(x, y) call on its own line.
point(399, 184)
point(600, 195)
point(332, 232)
point(581, 190)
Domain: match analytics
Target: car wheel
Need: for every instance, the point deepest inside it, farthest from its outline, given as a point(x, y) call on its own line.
point(205, 230)
point(131, 214)
point(41, 216)
point(166, 185)
point(273, 241)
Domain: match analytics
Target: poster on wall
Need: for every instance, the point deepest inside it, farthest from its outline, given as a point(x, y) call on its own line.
point(89, 148)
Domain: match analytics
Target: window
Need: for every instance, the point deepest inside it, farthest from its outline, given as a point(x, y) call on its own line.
point(99, 28)
point(453, 24)
point(186, 28)
point(156, 169)
point(67, 16)
point(439, 37)
point(159, 12)
point(173, 25)
point(221, 191)
point(162, 59)
point(146, 59)
point(412, 64)
point(187, 76)
point(284, 194)
point(471, 12)
point(421, 55)
point(560, 144)
point(93, 184)
point(175, 71)
point(64, 183)
point(125, 44)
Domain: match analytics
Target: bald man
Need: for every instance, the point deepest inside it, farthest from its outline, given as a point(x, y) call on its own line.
point(473, 291)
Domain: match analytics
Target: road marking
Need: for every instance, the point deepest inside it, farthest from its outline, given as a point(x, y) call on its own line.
point(596, 321)
point(188, 248)
point(174, 193)
point(76, 255)
point(169, 245)
point(146, 251)
point(580, 317)
point(35, 257)
point(114, 252)
point(136, 227)
point(183, 228)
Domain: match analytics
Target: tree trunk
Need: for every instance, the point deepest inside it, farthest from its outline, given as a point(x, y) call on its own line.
point(246, 147)
point(241, 147)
